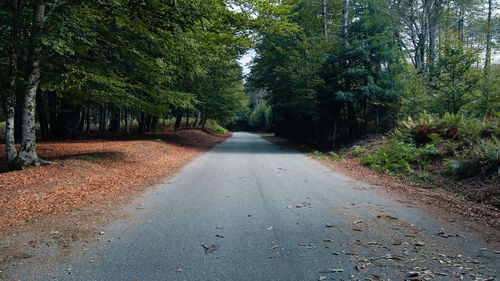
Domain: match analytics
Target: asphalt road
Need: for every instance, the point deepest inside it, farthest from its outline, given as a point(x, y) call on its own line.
point(250, 210)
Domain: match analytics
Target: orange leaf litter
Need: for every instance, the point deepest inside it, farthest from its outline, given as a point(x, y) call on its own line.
point(90, 171)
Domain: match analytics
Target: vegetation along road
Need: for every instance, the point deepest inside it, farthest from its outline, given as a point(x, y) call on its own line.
point(251, 210)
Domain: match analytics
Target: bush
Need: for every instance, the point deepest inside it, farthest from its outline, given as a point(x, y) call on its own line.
point(330, 155)
point(216, 128)
point(358, 150)
point(334, 156)
point(393, 159)
point(482, 158)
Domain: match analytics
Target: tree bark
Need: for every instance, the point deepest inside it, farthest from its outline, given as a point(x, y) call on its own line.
point(178, 120)
point(345, 20)
point(195, 124)
point(53, 114)
point(27, 155)
point(114, 125)
point(325, 27)
point(142, 121)
point(9, 107)
point(18, 118)
point(42, 116)
point(87, 117)
point(127, 129)
point(187, 119)
point(148, 123)
point(487, 59)
point(203, 122)
point(433, 12)
point(154, 123)
point(102, 119)
point(82, 116)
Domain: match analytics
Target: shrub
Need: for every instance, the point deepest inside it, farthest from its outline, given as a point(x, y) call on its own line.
point(358, 150)
point(334, 156)
point(216, 128)
point(393, 159)
point(482, 158)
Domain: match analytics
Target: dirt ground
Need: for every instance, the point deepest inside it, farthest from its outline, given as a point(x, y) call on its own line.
point(68, 201)
point(480, 219)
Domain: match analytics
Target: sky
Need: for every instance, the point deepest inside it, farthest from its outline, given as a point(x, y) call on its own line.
point(246, 60)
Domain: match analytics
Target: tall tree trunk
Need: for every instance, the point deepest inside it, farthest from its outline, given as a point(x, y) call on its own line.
point(87, 117)
point(18, 118)
point(324, 14)
point(82, 116)
point(27, 155)
point(42, 116)
point(178, 120)
point(203, 121)
point(148, 123)
point(487, 59)
point(125, 115)
point(53, 114)
point(365, 117)
point(142, 122)
point(345, 20)
point(195, 124)
point(154, 123)
point(433, 12)
point(9, 107)
point(334, 134)
point(114, 125)
point(353, 123)
point(187, 119)
point(102, 119)
point(461, 21)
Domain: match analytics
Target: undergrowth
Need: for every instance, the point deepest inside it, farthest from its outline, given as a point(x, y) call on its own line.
point(215, 127)
point(466, 147)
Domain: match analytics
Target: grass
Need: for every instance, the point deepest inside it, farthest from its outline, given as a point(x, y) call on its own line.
point(216, 128)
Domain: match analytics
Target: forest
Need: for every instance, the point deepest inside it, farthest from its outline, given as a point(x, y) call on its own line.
point(67, 65)
point(325, 72)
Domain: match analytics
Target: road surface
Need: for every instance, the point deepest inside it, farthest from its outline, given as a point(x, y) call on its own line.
point(250, 210)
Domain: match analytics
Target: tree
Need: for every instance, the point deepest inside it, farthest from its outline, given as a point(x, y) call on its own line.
point(454, 81)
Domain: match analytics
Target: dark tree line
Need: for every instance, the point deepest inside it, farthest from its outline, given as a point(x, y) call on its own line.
point(358, 67)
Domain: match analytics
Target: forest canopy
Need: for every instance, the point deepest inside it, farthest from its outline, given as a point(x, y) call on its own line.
point(64, 64)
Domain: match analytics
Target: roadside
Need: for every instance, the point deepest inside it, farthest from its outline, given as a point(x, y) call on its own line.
point(69, 201)
point(446, 206)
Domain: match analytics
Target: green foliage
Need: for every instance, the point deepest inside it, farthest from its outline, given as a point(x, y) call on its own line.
point(213, 126)
point(327, 156)
point(358, 151)
point(470, 145)
point(260, 118)
point(334, 156)
point(393, 159)
point(482, 158)
point(454, 82)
